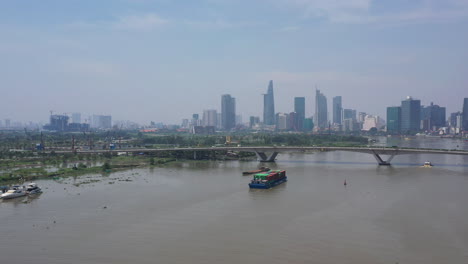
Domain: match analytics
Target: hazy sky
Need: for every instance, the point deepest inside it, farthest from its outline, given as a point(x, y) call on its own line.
point(163, 60)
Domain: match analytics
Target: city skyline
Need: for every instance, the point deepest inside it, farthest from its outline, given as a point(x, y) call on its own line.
point(101, 57)
point(346, 113)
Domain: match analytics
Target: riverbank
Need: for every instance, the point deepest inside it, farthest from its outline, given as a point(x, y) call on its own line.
point(31, 171)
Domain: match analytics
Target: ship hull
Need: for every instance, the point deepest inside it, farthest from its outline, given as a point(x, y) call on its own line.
point(268, 185)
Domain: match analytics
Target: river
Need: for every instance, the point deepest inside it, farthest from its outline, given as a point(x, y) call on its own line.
point(204, 212)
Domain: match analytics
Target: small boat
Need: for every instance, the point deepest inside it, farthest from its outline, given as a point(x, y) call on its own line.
point(32, 188)
point(260, 170)
point(427, 164)
point(15, 191)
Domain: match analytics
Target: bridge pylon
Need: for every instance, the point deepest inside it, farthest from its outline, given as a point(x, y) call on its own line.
point(382, 162)
point(264, 158)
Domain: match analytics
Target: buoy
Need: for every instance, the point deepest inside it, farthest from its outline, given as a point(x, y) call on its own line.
point(345, 183)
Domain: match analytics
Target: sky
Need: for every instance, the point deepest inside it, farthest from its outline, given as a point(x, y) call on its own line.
point(163, 60)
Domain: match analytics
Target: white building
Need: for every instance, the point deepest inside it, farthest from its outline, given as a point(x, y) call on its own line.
point(210, 118)
point(282, 121)
point(371, 121)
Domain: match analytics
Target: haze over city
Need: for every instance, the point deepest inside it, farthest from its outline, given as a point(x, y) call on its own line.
point(144, 60)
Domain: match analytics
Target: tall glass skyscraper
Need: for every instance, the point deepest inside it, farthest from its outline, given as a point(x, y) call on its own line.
point(465, 114)
point(337, 109)
point(228, 112)
point(269, 106)
point(394, 119)
point(410, 115)
point(299, 108)
point(321, 114)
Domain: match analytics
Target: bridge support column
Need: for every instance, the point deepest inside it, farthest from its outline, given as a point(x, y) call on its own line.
point(381, 161)
point(264, 158)
point(195, 155)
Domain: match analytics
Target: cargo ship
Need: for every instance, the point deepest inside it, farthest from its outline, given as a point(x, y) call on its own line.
point(262, 169)
point(268, 179)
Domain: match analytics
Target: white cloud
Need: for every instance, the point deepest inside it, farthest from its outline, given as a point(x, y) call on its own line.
point(360, 11)
point(89, 68)
point(144, 22)
point(141, 22)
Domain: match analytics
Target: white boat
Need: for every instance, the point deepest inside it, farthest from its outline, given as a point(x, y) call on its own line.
point(15, 191)
point(32, 188)
point(427, 164)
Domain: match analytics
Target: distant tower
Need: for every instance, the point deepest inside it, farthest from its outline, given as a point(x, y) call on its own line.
point(228, 112)
point(321, 115)
point(465, 114)
point(210, 118)
point(269, 106)
point(410, 115)
point(394, 119)
point(299, 108)
point(337, 110)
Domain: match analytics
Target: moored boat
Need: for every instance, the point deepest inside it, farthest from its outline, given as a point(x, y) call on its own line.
point(15, 191)
point(268, 180)
point(262, 169)
point(32, 188)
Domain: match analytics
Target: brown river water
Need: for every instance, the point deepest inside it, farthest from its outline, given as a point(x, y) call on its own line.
point(204, 212)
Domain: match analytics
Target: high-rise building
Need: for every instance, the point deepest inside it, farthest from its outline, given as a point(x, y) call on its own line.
point(410, 115)
point(269, 106)
point(76, 118)
point(372, 122)
point(7, 123)
point(210, 117)
point(254, 120)
point(281, 121)
point(57, 123)
point(102, 121)
point(394, 119)
point(219, 124)
point(337, 109)
point(299, 108)
point(321, 114)
point(432, 117)
point(349, 114)
point(292, 121)
point(228, 112)
point(361, 117)
point(465, 114)
point(196, 120)
point(308, 124)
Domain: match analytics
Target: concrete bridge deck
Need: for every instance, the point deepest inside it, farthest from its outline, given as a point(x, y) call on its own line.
point(274, 150)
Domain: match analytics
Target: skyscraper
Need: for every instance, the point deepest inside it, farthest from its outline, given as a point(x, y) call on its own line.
point(337, 109)
point(432, 116)
point(228, 112)
point(321, 115)
point(299, 108)
point(410, 115)
point(350, 114)
point(465, 114)
point(394, 119)
point(210, 118)
point(269, 106)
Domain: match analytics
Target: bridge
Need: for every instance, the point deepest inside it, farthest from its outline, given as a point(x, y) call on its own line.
point(269, 154)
